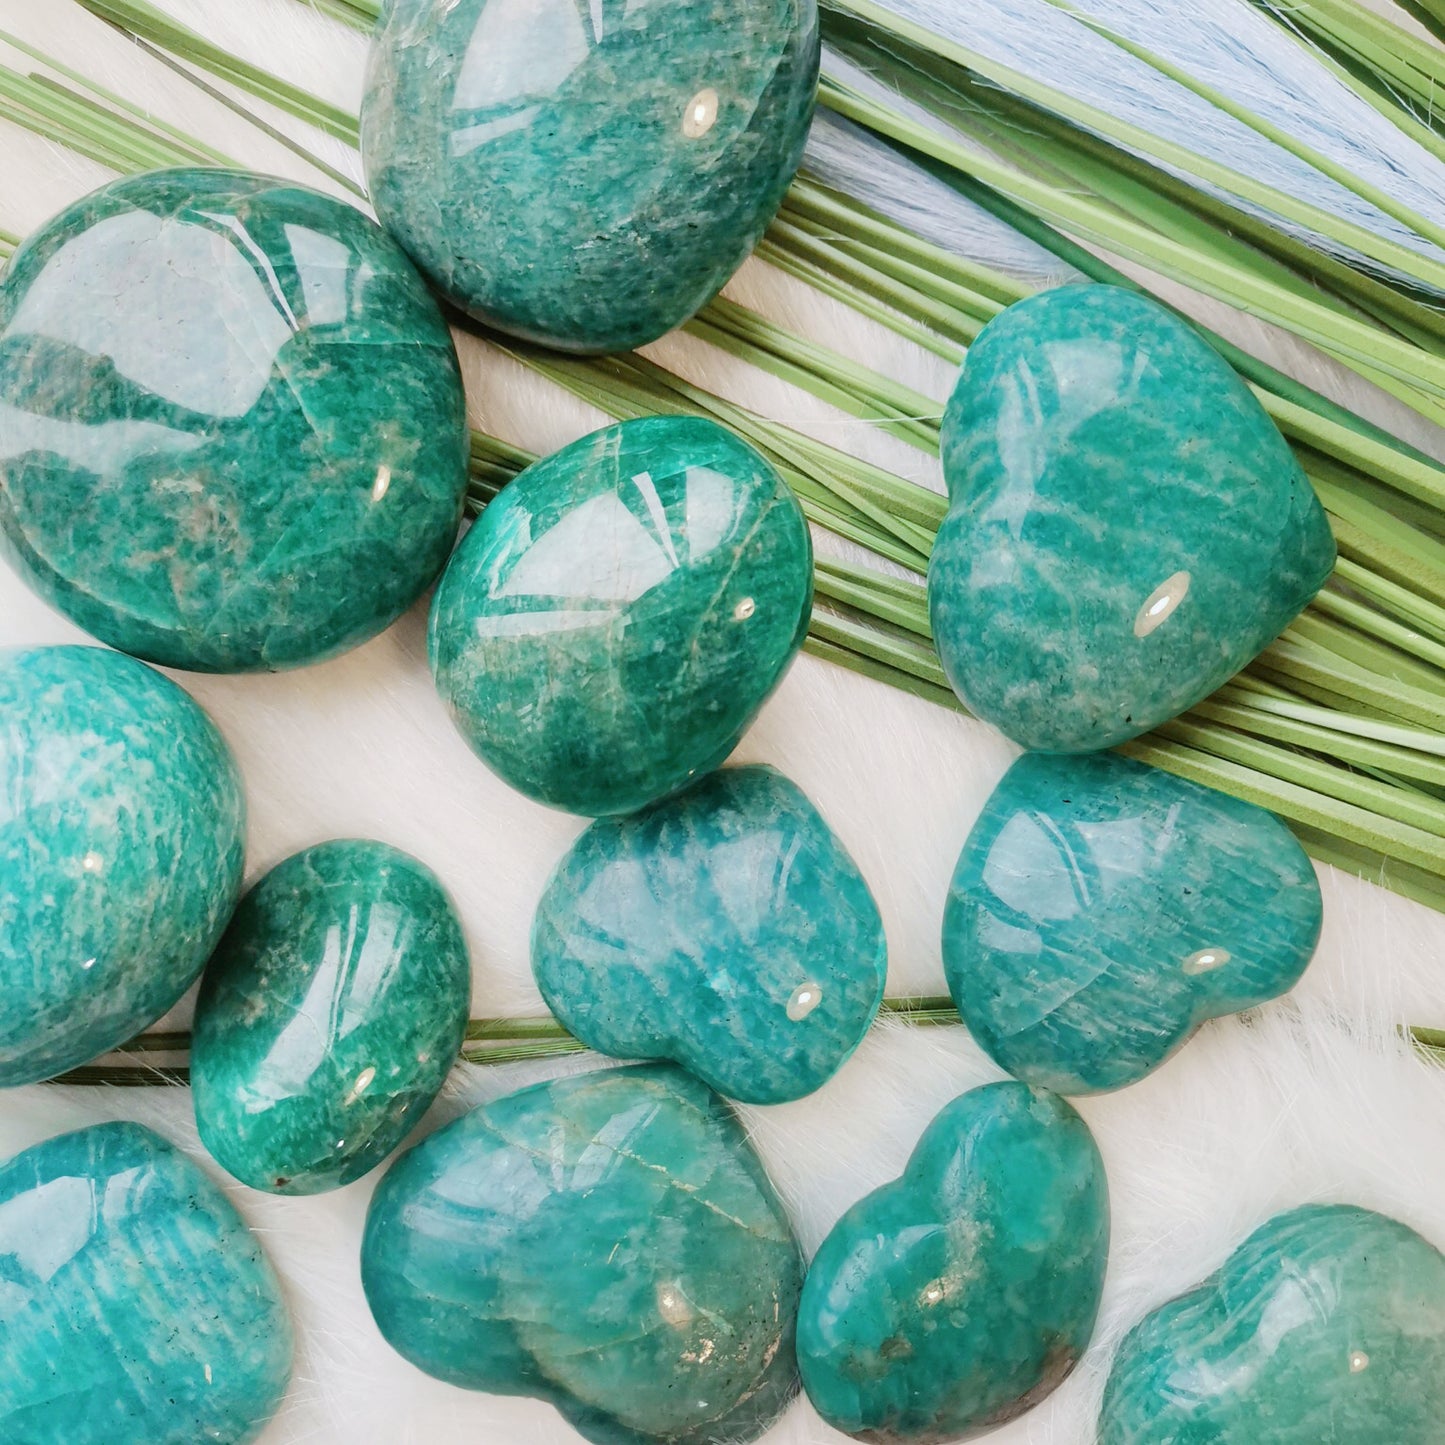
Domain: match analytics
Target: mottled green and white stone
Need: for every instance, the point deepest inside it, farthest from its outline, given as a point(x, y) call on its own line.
point(586, 175)
point(1102, 910)
point(122, 831)
point(1126, 528)
point(136, 1308)
point(1325, 1327)
point(232, 429)
point(612, 624)
point(726, 929)
point(949, 1302)
point(329, 1018)
point(608, 1242)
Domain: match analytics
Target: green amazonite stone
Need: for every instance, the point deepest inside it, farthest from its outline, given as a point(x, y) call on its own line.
point(726, 929)
point(122, 828)
point(1102, 910)
point(616, 618)
point(135, 1306)
point(1126, 527)
point(232, 430)
point(329, 1017)
point(608, 1242)
point(1325, 1327)
point(957, 1297)
point(586, 173)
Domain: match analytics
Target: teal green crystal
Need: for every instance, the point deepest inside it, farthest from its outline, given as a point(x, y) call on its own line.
point(232, 430)
point(136, 1308)
point(1102, 910)
point(615, 619)
point(329, 1018)
point(608, 1242)
point(122, 829)
point(1325, 1327)
point(586, 175)
point(1126, 527)
point(949, 1302)
point(726, 929)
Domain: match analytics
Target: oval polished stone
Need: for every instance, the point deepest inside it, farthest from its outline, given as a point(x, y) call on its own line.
point(726, 929)
point(329, 1018)
point(232, 430)
point(1126, 527)
point(608, 1242)
point(136, 1308)
point(615, 619)
point(1102, 910)
point(122, 830)
point(954, 1299)
point(586, 176)
point(1325, 1327)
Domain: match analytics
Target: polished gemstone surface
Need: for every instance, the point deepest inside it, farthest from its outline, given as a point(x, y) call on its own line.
point(1102, 910)
point(232, 430)
point(608, 1242)
point(616, 618)
point(1126, 528)
point(957, 1297)
point(122, 828)
point(329, 1018)
point(726, 929)
point(1325, 1327)
point(586, 175)
point(135, 1306)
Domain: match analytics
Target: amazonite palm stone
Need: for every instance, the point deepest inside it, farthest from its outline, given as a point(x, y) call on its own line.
point(586, 173)
point(136, 1308)
point(1325, 1327)
point(1126, 527)
point(608, 1242)
point(954, 1299)
point(613, 622)
point(1102, 910)
point(726, 929)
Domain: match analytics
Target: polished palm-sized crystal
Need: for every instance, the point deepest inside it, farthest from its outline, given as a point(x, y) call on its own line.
point(1126, 527)
point(1325, 1327)
point(960, 1295)
point(122, 828)
point(136, 1308)
point(232, 429)
point(1102, 910)
point(608, 1242)
point(616, 618)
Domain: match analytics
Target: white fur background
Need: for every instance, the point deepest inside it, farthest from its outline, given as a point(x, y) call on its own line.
point(1314, 1098)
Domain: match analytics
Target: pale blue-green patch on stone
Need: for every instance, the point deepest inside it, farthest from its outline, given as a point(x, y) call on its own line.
point(1126, 528)
point(726, 928)
point(1102, 910)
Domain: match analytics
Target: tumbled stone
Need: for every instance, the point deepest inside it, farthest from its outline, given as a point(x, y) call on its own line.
point(122, 829)
point(1325, 1327)
point(1126, 528)
point(136, 1308)
point(232, 429)
point(726, 929)
point(616, 618)
point(608, 1242)
point(329, 1018)
point(954, 1299)
point(586, 176)
point(1102, 910)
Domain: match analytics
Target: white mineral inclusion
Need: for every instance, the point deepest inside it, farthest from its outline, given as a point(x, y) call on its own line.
point(1359, 1360)
point(1206, 960)
point(701, 114)
point(745, 609)
point(806, 997)
point(1161, 603)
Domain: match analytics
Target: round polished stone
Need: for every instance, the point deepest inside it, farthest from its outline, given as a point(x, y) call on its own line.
point(232, 429)
point(122, 826)
point(616, 618)
point(586, 176)
point(329, 1017)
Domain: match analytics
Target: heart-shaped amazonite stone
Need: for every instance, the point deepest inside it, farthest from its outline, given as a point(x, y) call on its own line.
point(1126, 526)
